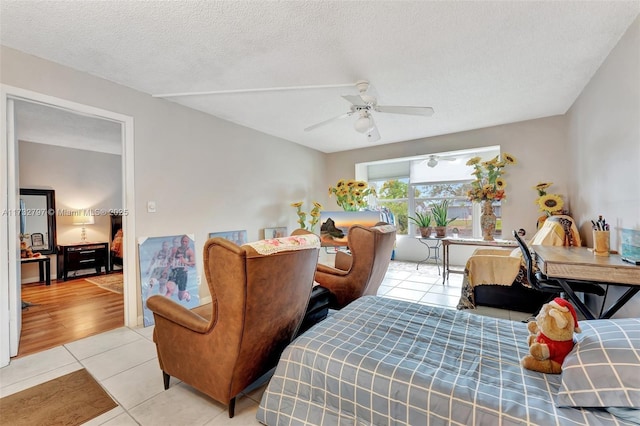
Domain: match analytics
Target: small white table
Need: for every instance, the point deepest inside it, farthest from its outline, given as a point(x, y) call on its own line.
point(44, 267)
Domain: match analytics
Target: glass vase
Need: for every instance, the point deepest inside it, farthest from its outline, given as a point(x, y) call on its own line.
point(487, 221)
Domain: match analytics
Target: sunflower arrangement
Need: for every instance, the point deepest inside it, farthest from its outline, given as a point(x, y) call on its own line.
point(302, 216)
point(548, 203)
point(351, 195)
point(489, 184)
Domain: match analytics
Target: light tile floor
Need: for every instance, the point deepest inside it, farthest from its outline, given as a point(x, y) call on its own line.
point(124, 362)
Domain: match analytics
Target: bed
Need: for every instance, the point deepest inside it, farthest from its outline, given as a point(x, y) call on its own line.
point(382, 361)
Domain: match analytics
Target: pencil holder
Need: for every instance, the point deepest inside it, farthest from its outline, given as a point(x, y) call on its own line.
point(601, 243)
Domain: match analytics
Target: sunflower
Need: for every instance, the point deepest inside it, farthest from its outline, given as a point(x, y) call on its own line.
point(302, 216)
point(550, 203)
point(351, 194)
point(541, 188)
point(473, 161)
point(509, 159)
point(489, 184)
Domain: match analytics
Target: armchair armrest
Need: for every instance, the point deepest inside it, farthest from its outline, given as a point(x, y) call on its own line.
point(177, 314)
point(322, 269)
point(343, 261)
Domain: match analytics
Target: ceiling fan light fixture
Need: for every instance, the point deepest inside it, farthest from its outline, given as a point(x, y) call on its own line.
point(363, 124)
point(432, 162)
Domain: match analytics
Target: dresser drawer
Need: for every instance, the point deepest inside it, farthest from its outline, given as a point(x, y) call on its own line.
point(81, 257)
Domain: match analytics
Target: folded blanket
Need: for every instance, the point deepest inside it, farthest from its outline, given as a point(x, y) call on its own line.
point(493, 266)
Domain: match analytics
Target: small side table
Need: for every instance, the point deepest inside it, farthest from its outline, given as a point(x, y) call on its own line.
point(433, 251)
point(44, 267)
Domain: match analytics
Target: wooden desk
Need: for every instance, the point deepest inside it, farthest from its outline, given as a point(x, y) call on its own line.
point(579, 263)
point(446, 242)
point(44, 267)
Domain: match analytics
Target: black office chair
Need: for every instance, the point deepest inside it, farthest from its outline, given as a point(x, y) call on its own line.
point(541, 282)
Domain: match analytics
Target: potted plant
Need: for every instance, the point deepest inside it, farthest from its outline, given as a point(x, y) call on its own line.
point(440, 211)
point(423, 220)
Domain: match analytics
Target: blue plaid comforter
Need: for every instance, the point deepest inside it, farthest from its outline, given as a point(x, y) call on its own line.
point(382, 361)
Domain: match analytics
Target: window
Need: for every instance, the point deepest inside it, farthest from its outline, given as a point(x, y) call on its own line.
point(392, 195)
point(407, 185)
point(460, 207)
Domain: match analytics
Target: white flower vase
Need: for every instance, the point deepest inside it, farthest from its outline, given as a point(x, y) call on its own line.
point(487, 221)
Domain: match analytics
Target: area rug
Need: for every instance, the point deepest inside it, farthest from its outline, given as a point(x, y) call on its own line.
point(111, 282)
point(72, 399)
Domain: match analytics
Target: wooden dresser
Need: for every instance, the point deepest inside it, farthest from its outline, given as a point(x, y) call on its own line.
point(81, 257)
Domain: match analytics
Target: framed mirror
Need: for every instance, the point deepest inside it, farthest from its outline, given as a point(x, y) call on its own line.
point(38, 219)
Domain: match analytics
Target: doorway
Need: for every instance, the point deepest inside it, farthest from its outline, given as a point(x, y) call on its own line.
point(10, 313)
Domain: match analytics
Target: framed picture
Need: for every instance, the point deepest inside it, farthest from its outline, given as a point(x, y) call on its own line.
point(37, 240)
point(334, 225)
point(278, 232)
point(167, 267)
point(238, 237)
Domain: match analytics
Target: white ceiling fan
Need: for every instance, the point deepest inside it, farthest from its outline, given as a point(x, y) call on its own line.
point(363, 105)
point(433, 160)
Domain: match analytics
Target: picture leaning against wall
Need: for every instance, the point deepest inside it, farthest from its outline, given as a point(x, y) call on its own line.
point(167, 267)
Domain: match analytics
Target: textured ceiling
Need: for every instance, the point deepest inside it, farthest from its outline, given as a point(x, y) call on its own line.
point(477, 64)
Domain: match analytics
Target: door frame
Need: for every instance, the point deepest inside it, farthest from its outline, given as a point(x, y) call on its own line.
point(9, 253)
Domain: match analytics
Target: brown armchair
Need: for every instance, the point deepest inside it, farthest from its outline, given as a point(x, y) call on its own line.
point(361, 272)
point(258, 302)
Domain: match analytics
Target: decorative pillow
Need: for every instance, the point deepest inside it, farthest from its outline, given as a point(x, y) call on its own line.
point(603, 369)
point(294, 242)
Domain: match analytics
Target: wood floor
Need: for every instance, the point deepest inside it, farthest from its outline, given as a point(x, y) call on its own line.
point(66, 311)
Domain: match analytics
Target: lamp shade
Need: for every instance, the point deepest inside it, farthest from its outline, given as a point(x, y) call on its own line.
point(363, 124)
point(83, 218)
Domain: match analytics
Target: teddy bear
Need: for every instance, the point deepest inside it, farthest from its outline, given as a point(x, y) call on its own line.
point(551, 337)
point(25, 250)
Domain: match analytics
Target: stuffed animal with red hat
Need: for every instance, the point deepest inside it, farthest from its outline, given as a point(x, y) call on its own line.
point(551, 337)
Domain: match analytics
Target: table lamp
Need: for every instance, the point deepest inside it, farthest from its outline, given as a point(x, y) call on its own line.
point(83, 218)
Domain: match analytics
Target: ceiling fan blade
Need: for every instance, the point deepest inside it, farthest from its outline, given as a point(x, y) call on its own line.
point(355, 99)
point(424, 111)
point(322, 123)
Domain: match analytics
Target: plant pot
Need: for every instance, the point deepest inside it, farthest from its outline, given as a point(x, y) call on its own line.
point(441, 231)
point(425, 231)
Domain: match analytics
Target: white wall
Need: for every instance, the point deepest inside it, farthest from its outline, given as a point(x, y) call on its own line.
point(82, 180)
point(604, 142)
point(538, 145)
point(205, 174)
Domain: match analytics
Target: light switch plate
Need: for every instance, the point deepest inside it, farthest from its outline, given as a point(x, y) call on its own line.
point(151, 206)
